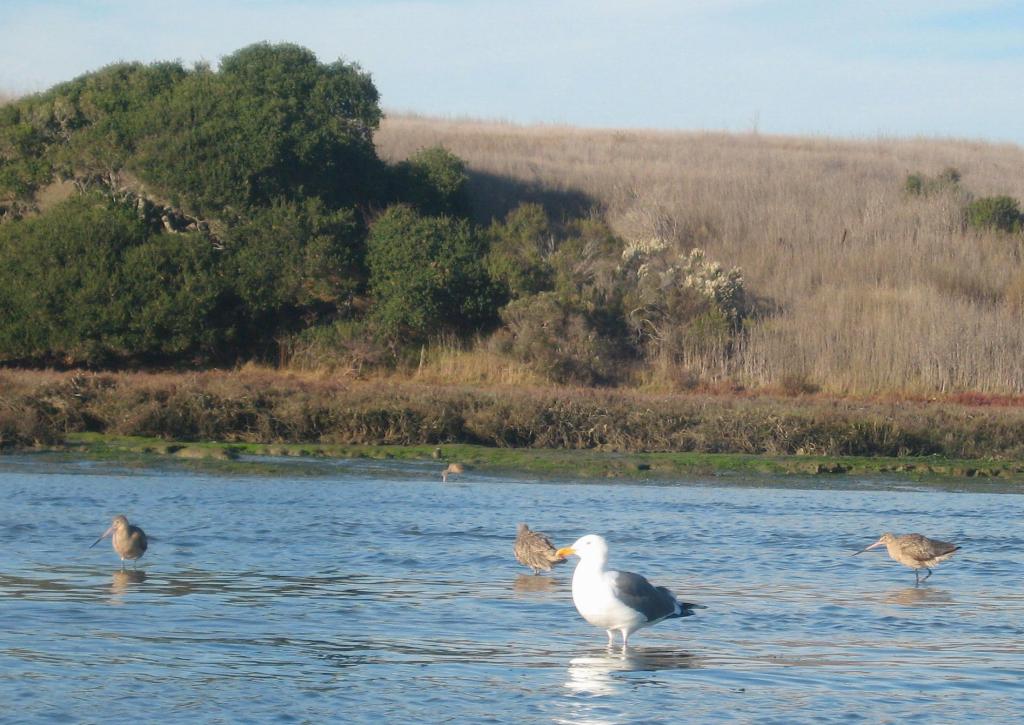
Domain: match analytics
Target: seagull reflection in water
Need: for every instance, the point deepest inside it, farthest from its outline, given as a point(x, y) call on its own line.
point(595, 674)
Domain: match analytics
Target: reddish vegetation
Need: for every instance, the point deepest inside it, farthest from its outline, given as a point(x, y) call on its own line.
point(985, 399)
point(261, 405)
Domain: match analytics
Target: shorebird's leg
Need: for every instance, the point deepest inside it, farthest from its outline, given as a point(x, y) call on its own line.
point(611, 637)
point(917, 577)
point(927, 575)
point(625, 639)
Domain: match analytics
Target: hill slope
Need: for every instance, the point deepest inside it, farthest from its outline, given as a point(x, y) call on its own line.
point(874, 288)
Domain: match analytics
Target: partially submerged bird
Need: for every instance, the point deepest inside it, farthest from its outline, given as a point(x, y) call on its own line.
point(916, 551)
point(129, 541)
point(617, 601)
point(535, 550)
point(455, 468)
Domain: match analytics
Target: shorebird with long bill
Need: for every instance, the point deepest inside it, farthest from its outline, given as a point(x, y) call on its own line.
point(129, 541)
point(916, 551)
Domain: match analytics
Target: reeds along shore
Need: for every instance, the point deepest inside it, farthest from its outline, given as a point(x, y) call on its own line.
point(876, 289)
point(265, 406)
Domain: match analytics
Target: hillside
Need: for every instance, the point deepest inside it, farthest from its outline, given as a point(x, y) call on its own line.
point(869, 287)
point(159, 216)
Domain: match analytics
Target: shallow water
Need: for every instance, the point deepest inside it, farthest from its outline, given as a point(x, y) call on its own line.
point(373, 592)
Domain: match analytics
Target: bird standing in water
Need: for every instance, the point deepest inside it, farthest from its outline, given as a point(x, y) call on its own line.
point(129, 541)
point(453, 468)
point(618, 601)
point(535, 550)
point(916, 551)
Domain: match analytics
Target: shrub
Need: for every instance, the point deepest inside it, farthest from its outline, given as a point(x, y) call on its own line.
point(344, 345)
point(434, 181)
point(680, 304)
point(176, 299)
point(89, 283)
point(294, 264)
point(995, 212)
point(919, 184)
point(60, 282)
point(949, 176)
point(914, 184)
point(559, 340)
point(519, 247)
point(427, 276)
point(586, 267)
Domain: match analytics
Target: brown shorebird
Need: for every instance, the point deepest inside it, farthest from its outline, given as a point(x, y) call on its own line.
point(129, 541)
point(535, 550)
point(916, 551)
point(455, 468)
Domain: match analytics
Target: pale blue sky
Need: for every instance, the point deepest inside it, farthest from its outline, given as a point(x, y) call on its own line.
point(841, 68)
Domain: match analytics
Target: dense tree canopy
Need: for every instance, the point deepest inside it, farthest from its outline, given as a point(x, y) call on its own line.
point(158, 214)
point(222, 207)
point(89, 283)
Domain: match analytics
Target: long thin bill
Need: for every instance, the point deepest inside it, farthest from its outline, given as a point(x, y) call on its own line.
point(105, 535)
point(868, 548)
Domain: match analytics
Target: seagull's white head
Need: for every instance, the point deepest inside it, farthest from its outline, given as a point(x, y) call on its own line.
point(590, 548)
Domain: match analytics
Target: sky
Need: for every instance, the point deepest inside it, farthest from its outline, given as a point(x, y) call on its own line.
point(857, 68)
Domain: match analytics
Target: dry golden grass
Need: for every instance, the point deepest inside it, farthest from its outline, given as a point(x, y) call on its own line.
point(448, 361)
point(876, 290)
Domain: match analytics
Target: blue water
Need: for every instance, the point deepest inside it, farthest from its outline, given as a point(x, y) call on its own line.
point(371, 592)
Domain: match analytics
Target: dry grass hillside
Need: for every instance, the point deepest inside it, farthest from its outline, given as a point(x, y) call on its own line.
point(875, 290)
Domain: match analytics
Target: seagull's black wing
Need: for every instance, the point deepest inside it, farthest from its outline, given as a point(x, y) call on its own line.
point(653, 602)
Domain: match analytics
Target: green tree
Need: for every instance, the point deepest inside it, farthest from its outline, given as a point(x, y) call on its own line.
point(176, 300)
point(59, 282)
point(427, 275)
point(294, 264)
point(272, 123)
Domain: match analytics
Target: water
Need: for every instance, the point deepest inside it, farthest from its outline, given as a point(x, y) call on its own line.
point(371, 592)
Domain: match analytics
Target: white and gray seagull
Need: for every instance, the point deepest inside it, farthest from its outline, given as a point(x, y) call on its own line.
point(617, 601)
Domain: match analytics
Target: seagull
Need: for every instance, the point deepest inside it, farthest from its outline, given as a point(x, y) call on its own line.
point(617, 600)
point(535, 550)
point(916, 551)
point(129, 541)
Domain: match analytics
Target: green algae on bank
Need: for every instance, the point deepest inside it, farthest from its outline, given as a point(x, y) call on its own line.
point(590, 464)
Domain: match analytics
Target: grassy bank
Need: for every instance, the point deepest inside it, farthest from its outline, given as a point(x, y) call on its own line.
point(262, 411)
point(562, 463)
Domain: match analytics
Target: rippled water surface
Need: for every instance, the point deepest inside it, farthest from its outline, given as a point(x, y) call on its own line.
point(373, 592)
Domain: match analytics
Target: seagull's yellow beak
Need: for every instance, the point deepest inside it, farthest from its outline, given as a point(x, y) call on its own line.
point(564, 552)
